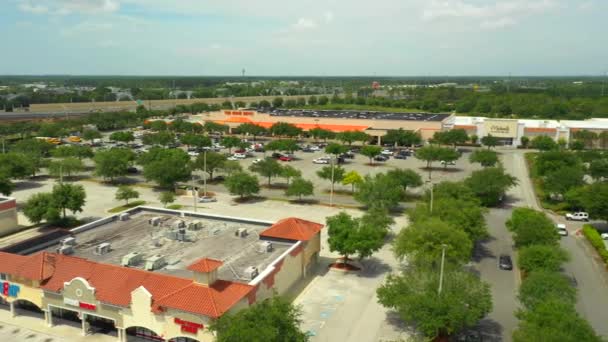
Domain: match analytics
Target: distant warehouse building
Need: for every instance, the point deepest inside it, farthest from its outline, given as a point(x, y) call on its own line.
point(158, 275)
point(510, 131)
point(8, 216)
point(376, 124)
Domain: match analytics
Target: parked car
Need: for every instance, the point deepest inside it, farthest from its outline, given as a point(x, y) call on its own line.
point(232, 158)
point(132, 170)
point(578, 216)
point(449, 162)
point(400, 156)
point(285, 158)
point(207, 199)
point(604, 236)
point(387, 152)
point(307, 149)
point(348, 155)
point(322, 160)
point(240, 150)
point(314, 148)
point(256, 161)
point(276, 155)
point(504, 262)
point(381, 158)
point(561, 229)
point(193, 154)
point(240, 155)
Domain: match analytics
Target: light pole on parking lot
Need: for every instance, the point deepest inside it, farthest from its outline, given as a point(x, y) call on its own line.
point(443, 246)
point(432, 190)
point(331, 192)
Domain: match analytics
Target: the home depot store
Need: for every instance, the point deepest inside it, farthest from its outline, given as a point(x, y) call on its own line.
point(375, 124)
point(132, 303)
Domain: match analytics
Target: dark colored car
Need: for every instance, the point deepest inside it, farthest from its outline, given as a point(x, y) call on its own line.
point(504, 262)
point(348, 155)
point(132, 170)
point(276, 155)
point(400, 156)
point(380, 158)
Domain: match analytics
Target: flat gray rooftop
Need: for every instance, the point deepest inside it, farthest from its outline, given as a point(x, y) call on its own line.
point(216, 238)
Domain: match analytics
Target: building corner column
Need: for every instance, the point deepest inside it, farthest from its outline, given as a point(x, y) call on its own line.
point(48, 318)
point(12, 306)
point(85, 325)
point(122, 334)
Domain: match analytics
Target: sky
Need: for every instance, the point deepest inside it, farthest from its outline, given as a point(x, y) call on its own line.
point(307, 37)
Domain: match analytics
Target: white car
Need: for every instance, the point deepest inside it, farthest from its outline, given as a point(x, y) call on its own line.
point(321, 160)
point(604, 236)
point(232, 158)
point(193, 154)
point(314, 148)
point(207, 199)
point(579, 216)
point(451, 162)
point(240, 155)
point(387, 152)
point(256, 161)
point(561, 229)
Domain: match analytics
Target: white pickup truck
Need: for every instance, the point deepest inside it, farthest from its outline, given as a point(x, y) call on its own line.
point(579, 216)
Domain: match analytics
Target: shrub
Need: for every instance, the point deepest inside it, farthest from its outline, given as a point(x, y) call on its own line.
point(596, 241)
point(541, 258)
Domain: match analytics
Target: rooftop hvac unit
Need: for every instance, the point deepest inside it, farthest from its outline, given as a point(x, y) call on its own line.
point(132, 259)
point(70, 241)
point(178, 224)
point(124, 216)
point(215, 231)
point(251, 272)
point(65, 249)
point(155, 262)
point(154, 221)
point(103, 248)
point(241, 232)
point(265, 247)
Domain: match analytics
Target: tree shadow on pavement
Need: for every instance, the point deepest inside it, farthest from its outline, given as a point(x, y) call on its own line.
point(394, 320)
point(26, 185)
point(481, 252)
point(490, 330)
point(373, 267)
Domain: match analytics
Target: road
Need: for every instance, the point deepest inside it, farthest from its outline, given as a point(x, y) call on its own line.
point(589, 272)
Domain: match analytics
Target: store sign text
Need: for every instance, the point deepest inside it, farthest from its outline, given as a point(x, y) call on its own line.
point(500, 129)
point(82, 305)
point(188, 327)
point(238, 112)
point(8, 289)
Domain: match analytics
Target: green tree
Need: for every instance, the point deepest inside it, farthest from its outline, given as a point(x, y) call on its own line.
point(242, 184)
point(6, 186)
point(490, 184)
point(464, 300)
point(271, 320)
point(561, 180)
point(598, 169)
point(336, 177)
point(320, 133)
point(267, 168)
point(379, 191)
point(250, 129)
point(285, 129)
point(166, 197)
point(196, 140)
point(231, 142)
point(451, 137)
point(164, 138)
point(78, 151)
point(406, 178)
point(125, 193)
point(401, 137)
point(300, 187)
point(90, 134)
point(113, 163)
point(422, 243)
point(489, 141)
point(282, 145)
point(542, 258)
point(544, 143)
point(349, 236)
point(371, 151)
point(552, 160)
point(124, 136)
point(430, 154)
point(353, 178)
point(68, 197)
point(214, 127)
point(39, 207)
point(540, 286)
point(341, 231)
point(288, 172)
point(277, 102)
point(525, 141)
point(487, 158)
point(553, 320)
point(448, 155)
point(65, 167)
point(531, 227)
point(592, 198)
point(166, 166)
point(323, 100)
point(211, 160)
point(335, 149)
point(231, 166)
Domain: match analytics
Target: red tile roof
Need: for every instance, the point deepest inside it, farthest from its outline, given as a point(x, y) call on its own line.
point(205, 265)
point(293, 228)
point(114, 284)
point(540, 129)
point(304, 126)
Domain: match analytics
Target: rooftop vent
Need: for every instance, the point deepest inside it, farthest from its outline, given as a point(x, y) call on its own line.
point(155, 262)
point(65, 249)
point(251, 272)
point(70, 241)
point(154, 221)
point(265, 247)
point(124, 216)
point(132, 259)
point(241, 232)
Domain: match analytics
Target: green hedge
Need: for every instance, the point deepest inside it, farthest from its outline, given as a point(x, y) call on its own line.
point(596, 241)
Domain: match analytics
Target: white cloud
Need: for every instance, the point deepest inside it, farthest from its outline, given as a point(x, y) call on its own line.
point(65, 7)
point(328, 16)
point(107, 44)
point(305, 24)
point(28, 7)
point(498, 14)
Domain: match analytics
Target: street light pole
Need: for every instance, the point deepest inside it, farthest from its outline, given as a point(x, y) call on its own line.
point(441, 270)
point(204, 172)
point(331, 193)
point(432, 190)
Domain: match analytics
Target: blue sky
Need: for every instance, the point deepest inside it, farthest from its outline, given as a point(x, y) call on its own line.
point(310, 37)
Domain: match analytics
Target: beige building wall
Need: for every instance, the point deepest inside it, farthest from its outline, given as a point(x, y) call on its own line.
point(28, 290)
point(8, 216)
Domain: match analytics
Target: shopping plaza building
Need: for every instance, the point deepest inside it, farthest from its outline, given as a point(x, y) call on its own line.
point(8, 216)
point(377, 124)
point(156, 274)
